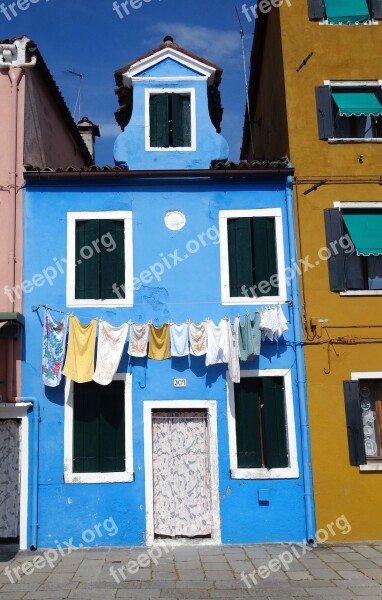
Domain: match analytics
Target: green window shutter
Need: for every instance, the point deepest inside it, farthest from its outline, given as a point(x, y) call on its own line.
point(112, 263)
point(181, 121)
point(159, 121)
point(87, 401)
point(112, 428)
point(99, 428)
point(264, 252)
point(87, 269)
point(247, 415)
point(274, 423)
point(239, 256)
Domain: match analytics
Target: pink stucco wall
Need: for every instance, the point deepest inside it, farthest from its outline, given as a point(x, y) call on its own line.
point(44, 139)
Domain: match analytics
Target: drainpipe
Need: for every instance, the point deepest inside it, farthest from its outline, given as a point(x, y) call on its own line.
point(33, 527)
point(15, 74)
point(301, 376)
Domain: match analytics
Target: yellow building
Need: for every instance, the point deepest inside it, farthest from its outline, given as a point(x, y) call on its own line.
point(316, 96)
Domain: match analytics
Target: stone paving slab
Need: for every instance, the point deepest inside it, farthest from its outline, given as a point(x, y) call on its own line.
point(266, 572)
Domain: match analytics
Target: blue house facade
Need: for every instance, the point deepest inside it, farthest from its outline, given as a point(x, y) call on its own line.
point(185, 443)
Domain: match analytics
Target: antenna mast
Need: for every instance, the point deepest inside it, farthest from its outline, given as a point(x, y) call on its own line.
point(77, 107)
point(246, 81)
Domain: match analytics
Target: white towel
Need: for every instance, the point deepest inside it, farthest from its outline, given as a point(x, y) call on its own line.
point(111, 341)
point(217, 343)
point(139, 339)
point(198, 339)
point(179, 340)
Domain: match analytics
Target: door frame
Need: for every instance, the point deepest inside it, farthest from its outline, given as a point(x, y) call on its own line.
point(173, 405)
point(19, 411)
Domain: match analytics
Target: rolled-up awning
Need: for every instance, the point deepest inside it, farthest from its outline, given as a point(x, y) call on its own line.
point(365, 230)
point(356, 104)
point(347, 11)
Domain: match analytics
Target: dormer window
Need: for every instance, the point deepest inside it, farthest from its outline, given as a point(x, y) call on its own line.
point(170, 120)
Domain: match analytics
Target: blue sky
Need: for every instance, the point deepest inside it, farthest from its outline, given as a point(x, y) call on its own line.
point(87, 36)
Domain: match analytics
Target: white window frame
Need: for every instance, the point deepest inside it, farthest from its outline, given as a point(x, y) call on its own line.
point(224, 215)
point(360, 206)
point(124, 477)
point(19, 411)
point(291, 472)
point(72, 218)
point(368, 375)
point(182, 91)
point(211, 407)
point(356, 85)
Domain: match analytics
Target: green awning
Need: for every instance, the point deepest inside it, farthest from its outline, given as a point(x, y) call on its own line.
point(347, 11)
point(357, 103)
point(365, 229)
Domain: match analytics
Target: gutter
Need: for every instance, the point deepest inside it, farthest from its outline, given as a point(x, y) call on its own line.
point(270, 173)
point(301, 377)
point(15, 74)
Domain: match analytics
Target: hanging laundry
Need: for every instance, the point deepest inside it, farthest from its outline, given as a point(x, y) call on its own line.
point(269, 323)
point(198, 339)
point(159, 343)
point(250, 338)
point(139, 338)
point(217, 343)
point(79, 364)
point(111, 341)
point(233, 340)
point(283, 323)
point(53, 349)
point(179, 340)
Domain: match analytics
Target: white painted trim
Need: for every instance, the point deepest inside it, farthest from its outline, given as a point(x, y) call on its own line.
point(72, 217)
point(19, 411)
point(169, 79)
point(357, 205)
point(291, 472)
point(179, 57)
point(353, 83)
point(128, 475)
point(326, 22)
point(362, 293)
point(224, 215)
point(211, 407)
point(182, 91)
point(372, 466)
point(355, 140)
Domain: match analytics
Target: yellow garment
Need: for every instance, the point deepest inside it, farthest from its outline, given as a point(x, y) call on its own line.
point(79, 364)
point(159, 344)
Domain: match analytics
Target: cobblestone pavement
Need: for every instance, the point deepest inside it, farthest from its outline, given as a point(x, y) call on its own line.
point(196, 572)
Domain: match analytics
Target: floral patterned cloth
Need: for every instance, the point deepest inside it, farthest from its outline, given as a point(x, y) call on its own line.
point(111, 341)
point(53, 349)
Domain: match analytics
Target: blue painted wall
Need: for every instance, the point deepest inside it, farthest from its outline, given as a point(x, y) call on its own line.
point(189, 291)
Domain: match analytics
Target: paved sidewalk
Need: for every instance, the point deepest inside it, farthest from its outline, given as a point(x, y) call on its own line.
point(197, 572)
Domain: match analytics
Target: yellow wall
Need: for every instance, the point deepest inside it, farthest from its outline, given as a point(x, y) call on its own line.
point(340, 53)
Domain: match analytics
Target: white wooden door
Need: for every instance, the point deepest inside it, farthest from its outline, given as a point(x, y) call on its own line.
point(181, 474)
point(10, 432)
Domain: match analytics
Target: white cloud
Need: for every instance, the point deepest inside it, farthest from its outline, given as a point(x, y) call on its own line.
point(109, 130)
point(213, 44)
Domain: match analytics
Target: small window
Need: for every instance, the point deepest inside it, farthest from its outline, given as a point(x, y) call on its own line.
point(345, 12)
point(170, 120)
point(349, 113)
point(261, 434)
point(100, 259)
point(252, 256)
point(99, 428)
point(363, 404)
point(354, 238)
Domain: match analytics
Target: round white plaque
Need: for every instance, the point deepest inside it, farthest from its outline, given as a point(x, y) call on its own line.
point(174, 220)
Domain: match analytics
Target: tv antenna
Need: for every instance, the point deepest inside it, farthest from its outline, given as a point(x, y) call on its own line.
point(77, 108)
point(246, 81)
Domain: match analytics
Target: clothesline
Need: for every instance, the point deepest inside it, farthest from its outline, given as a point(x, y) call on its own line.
point(150, 322)
point(224, 343)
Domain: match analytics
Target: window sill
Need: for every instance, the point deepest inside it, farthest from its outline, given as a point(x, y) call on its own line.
point(99, 477)
point(289, 473)
point(355, 141)
point(125, 302)
point(263, 301)
point(362, 293)
point(177, 149)
point(326, 22)
point(371, 467)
